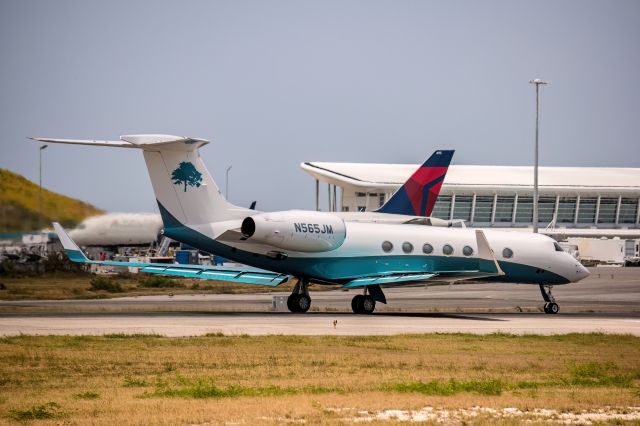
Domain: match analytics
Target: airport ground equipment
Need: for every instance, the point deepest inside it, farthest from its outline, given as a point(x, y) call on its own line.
point(632, 252)
point(321, 247)
point(595, 251)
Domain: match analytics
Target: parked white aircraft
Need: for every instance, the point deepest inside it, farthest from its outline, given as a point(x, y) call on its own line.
point(118, 229)
point(322, 247)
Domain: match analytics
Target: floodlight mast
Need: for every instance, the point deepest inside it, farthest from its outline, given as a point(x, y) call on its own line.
point(42, 148)
point(537, 82)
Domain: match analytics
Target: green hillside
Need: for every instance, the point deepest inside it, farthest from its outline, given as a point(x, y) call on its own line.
point(19, 205)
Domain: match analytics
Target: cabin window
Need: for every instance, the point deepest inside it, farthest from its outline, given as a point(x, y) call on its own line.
point(407, 247)
point(507, 253)
point(467, 251)
point(427, 248)
point(387, 246)
point(447, 249)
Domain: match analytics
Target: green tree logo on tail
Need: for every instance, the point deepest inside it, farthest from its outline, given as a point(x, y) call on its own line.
point(186, 174)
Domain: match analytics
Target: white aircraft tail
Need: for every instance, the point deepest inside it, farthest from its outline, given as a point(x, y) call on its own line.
point(182, 184)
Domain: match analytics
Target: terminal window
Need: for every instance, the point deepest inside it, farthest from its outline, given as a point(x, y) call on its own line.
point(442, 209)
point(566, 209)
point(483, 210)
point(607, 212)
point(546, 206)
point(504, 209)
point(524, 212)
point(628, 210)
point(462, 208)
point(587, 210)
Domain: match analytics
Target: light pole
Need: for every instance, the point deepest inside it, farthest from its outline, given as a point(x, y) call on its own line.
point(537, 82)
point(226, 183)
point(42, 148)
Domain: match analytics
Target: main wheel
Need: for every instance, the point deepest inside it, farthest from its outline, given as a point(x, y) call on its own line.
point(552, 308)
point(292, 302)
point(303, 303)
point(367, 305)
point(356, 303)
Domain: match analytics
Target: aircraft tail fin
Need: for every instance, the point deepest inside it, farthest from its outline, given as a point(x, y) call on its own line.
point(418, 195)
point(184, 189)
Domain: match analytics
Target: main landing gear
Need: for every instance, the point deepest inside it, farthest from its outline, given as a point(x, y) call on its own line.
point(299, 300)
point(550, 305)
point(365, 303)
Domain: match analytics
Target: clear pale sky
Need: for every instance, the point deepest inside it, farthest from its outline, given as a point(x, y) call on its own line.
point(275, 83)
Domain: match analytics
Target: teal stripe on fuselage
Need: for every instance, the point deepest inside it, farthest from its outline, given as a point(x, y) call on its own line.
point(341, 269)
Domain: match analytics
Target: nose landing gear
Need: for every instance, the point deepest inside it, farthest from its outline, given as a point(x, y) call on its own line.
point(550, 305)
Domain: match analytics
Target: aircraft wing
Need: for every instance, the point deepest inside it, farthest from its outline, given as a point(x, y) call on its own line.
point(244, 275)
point(389, 280)
point(487, 266)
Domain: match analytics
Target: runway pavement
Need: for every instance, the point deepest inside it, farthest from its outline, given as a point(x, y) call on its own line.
point(608, 301)
point(193, 324)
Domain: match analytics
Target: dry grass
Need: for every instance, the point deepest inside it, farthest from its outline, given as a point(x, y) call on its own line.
point(58, 286)
point(157, 380)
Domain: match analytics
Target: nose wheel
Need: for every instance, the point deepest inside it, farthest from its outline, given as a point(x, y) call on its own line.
point(550, 305)
point(551, 308)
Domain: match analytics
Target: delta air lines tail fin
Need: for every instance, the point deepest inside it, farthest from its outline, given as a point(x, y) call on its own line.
point(418, 195)
point(183, 187)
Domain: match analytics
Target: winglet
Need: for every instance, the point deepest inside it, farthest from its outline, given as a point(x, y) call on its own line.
point(70, 247)
point(486, 258)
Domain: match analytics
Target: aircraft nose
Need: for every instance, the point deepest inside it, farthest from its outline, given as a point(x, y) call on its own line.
point(581, 272)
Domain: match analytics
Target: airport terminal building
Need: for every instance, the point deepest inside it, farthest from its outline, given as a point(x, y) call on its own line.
point(588, 201)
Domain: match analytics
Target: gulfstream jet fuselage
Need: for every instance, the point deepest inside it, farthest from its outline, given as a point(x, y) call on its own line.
point(322, 247)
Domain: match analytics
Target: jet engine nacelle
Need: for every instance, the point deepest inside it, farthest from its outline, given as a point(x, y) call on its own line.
point(296, 230)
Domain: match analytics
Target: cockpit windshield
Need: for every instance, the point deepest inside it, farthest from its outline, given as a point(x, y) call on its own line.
point(557, 246)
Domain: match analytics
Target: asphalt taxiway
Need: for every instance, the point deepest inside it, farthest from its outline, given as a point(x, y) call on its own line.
point(608, 301)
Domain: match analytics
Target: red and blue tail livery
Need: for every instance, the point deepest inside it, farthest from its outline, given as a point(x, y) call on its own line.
point(418, 195)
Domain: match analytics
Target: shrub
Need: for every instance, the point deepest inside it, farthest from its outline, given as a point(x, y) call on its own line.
point(57, 261)
point(106, 284)
point(49, 410)
point(159, 282)
point(87, 395)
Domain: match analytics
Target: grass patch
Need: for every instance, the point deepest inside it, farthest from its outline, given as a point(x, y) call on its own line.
point(596, 373)
point(87, 395)
point(134, 336)
point(50, 410)
point(152, 379)
point(202, 389)
point(105, 284)
point(450, 387)
point(132, 382)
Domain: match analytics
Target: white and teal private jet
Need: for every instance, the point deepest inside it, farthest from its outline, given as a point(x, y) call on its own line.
point(322, 247)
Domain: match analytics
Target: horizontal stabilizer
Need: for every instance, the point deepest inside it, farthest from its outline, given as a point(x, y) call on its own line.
point(243, 275)
point(145, 142)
